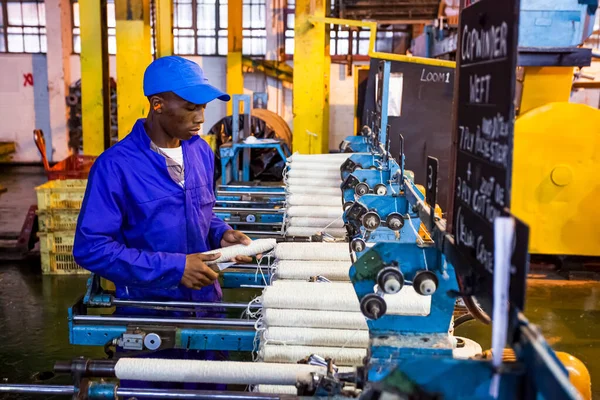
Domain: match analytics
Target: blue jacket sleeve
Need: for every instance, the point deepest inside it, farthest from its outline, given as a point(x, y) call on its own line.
point(216, 231)
point(99, 247)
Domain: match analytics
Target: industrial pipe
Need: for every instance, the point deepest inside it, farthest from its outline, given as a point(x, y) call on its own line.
point(63, 390)
point(142, 320)
point(133, 303)
point(39, 389)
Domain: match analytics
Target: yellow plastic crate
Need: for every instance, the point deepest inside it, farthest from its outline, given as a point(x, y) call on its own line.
point(57, 220)
point(60, 264)
point(56, 250)
point(61, 194)
point(57, 242)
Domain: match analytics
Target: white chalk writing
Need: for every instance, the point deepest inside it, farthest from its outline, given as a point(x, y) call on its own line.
point(464, 234)
point(479, 88)
point(428, 76)
point(484, 44)
point(485, 141)
point(484, 256)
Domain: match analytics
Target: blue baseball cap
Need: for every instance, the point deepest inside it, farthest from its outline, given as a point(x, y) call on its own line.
point(183, 77)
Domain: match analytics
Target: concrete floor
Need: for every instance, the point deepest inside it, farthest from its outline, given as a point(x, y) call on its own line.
point(20, 194)
point(33, 308)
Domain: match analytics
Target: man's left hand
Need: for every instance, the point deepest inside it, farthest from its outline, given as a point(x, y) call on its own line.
point(231, 238)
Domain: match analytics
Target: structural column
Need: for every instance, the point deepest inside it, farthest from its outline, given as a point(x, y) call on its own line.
point(95, 79)
point(235, 78)
point(311, 78)
point(58, 27)
point(164, 27)
point(275, 24)
point(133, 56)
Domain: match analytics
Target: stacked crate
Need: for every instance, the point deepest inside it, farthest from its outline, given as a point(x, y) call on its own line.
point(59, 202)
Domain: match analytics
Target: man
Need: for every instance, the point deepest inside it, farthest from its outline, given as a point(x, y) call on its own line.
point(148, 207)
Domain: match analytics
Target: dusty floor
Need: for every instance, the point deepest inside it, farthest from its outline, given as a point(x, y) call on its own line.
point(33, 308)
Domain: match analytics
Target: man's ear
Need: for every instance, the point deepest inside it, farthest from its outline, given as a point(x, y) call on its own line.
point(157, 104)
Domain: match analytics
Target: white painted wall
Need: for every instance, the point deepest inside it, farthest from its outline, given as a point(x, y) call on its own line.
point(23, 108)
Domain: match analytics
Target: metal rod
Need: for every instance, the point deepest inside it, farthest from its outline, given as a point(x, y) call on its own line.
point(251, 194)
point(120, 302)
point(256, 202)
point(193, 394)
point(273, 224)
point(259, 189)
point(39, 389)
point(262, 210)
point(183, 321)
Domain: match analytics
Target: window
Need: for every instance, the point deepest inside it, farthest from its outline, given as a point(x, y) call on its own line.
point(111, 22)
point(22, 26)
point(341, 36)
point(254, 28)
point(204, 32)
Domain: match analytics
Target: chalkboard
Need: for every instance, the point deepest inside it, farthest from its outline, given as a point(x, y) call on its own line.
point(486, 85)
point(422, 113)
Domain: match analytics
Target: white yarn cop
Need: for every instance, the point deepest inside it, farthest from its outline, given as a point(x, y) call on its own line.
point(201, 371)
point(303, 270)
point(257, 246)
point(314, 319)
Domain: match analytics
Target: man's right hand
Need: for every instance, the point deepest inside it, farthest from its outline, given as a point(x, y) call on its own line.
point(197, 274)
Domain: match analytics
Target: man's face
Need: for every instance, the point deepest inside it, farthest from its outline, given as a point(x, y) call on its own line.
point(179, 118)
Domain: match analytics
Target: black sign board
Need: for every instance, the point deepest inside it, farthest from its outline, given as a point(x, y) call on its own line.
point(431, 187)
point(487, 69)
point(432, 181)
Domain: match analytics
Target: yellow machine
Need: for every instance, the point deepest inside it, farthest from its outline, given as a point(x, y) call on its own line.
point(556, 166)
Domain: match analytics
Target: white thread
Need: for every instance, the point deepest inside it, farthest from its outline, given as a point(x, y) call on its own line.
point(300, 231)
point(317, 337)
point(312, 251)
point(419, 240)
point(302, 270)
point(338, 296)
point(226, 372)
point(314, 174)
point(257, 246)
point(316, 222)
point(312, 200)
point(274, 389)
point(319, 182)
point(292, 354)
point(314, 319)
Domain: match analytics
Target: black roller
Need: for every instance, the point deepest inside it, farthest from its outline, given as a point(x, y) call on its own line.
point(361, 189)
point(371, 221)
point(390, 280)
point(373, 306)
point(380, 189)
point(394, 221)
point(358, 245)
point(425, 283)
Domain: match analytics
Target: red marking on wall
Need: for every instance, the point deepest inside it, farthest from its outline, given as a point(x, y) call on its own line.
point(28, 79)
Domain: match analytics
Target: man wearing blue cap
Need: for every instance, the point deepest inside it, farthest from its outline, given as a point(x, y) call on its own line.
point(148, 207)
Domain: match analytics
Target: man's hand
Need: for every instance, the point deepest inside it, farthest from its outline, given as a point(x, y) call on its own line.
point(231, 238)
point(197, 274)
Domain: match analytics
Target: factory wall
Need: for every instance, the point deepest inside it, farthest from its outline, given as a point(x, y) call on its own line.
point(24, 103)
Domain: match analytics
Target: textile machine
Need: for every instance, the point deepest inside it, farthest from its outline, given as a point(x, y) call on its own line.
point(410, 354)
